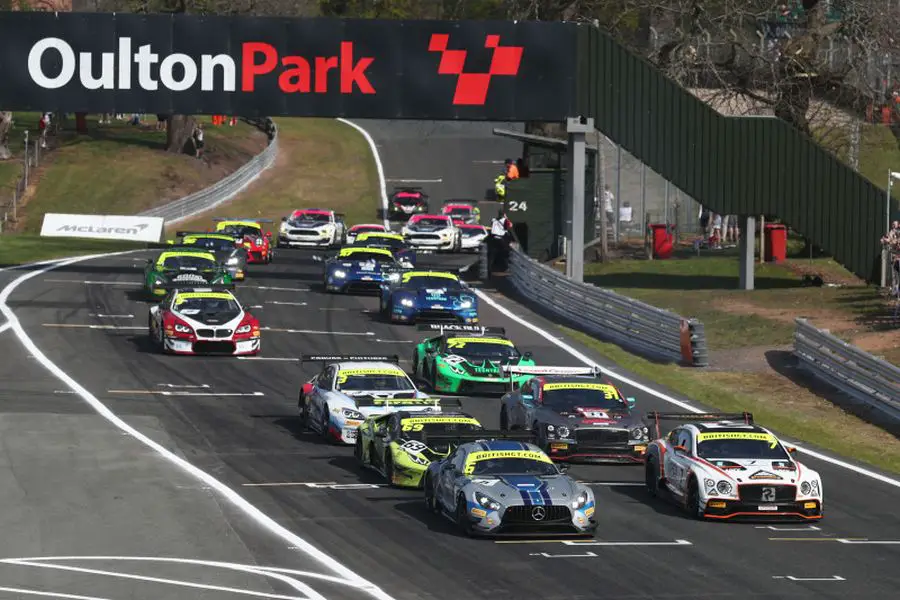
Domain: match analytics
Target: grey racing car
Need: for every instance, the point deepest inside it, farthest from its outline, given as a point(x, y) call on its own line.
point(500, 487)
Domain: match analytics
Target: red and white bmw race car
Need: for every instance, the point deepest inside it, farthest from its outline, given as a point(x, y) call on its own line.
point(203, 321)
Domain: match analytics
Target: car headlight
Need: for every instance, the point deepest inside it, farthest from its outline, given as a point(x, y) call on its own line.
point(638, 433)
point(809, 488)
point(244, 329)
point(232, 262)
point(465, 304)
point(338, 273)
point(158, 281)
point(407, 302)
point(724, 488)
point(284, 226)
point(710, 486)
point(486, 501)
point(580, 500)
point(182, 328)
point(562, 432)
point(349, 413)
point(444, 235)
point(392, 277)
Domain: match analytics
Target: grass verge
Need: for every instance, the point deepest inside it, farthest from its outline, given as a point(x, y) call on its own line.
point(775, 402)
point(123, 169)
point(321, 163)
point(24, 248)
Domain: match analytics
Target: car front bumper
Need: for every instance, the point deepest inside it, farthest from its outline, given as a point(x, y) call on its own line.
point(307, 241)
point(403, 314)
point(429, 244)
point(212, 347)
point(798, 510)
point(569, 451)
point(519, 520)
point(452, 383)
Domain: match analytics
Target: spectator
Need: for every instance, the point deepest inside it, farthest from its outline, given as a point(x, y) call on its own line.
point(716, 237)
point(892, 241)
point(198, 140)
point(608, 199)
point(161, 122)
point(498, 242)
point(43, 126)
point(731, 230)
point(500, 186)
point(512, 171)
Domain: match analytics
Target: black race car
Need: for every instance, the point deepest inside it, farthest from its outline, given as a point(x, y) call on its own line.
point(406, 202)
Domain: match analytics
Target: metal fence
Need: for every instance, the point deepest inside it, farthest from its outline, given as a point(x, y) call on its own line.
point(30, 161)
point(858, 374)
point(632, 324)
point(225, 189)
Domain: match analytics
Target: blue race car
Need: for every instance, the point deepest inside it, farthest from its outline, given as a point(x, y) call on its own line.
point(428, 296)
point(360, 269)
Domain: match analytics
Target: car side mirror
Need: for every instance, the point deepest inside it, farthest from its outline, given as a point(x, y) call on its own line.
point(631, 402)
point(284, 218)
point(680, 449)
point(791, 449)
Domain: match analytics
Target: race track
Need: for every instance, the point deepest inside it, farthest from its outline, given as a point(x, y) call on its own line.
point(237, 421)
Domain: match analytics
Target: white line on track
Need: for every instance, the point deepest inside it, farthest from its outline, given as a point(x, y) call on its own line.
point(102, 316)
point(394, 341)
point(286, 359)
point(584, 359)
point(89, 326)
point(317, 332)
point(275, 289)
point(128, 283)
point(4, 327)
point(487, 162)
point(180, 393)
point(51, 594)
point(601, 543)
point(349, 577)
point(286, 303)
point(792, 578)
point(394, 180)
point(379, 167)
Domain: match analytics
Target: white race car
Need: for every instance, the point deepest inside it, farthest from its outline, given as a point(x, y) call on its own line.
point(356, 230)
point(432, 232)
point(722, 466)
point(203, 321)
point(312, 227)
point(350, 388)
point(472, 236)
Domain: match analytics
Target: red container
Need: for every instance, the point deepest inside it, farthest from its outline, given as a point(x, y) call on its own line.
point(663, 244)
point(776, 243)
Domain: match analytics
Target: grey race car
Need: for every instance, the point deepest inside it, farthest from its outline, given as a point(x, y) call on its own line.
point(575, 414)
point(504, 487)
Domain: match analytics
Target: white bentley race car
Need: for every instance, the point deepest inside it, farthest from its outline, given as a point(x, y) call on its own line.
point(312, 228)
point(207, 320)
point(722, 466)
point(348, 389)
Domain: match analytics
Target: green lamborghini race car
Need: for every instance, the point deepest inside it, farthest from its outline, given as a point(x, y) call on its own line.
point(466, 359)
point(396, 444)
point(191, 268)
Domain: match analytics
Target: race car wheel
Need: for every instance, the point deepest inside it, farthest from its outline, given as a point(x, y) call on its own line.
point(323, 423)
point(430, 500)
point(432, 378)
point(693, 500)
point(304, 413)
point(415, 363)
point(462, 516)
point(358, 450)
point(651, 477)
point(504, 420)
point(389, 468)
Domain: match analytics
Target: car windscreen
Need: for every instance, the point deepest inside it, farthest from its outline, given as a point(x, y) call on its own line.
point(433, 283)
point(559, 398)
point(242, 230)
point(472, 232)
point(213, 244)
point(361, 230)
point(442, 223)
point(459, 210)
point(187, 263)
point(380, 242)
point(368, 257)
point(311, 217)
point(206, 305)
point(740, 446)
point(477, 350)
point(372, 382)
point(513, 466)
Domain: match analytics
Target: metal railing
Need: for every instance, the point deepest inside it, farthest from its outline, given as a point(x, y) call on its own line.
point(225, 189)
point(30, 161)
point(628, 322)
point(858, 374)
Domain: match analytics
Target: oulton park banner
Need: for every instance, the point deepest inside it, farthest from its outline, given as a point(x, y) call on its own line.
point(179, 64)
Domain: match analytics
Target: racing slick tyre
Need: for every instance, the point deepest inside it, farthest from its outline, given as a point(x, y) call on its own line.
point(389, 468)
point(304, 414)
point(156, 337)
point(358, 450)
point(432, 378)
point(651, 477)
point(415, 363)
point(504, 420)
point(430, 500)
point(323, 424)
point(692, 503)
point(462, 516)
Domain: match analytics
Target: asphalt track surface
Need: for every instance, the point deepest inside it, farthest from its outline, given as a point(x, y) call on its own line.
point(89, 490)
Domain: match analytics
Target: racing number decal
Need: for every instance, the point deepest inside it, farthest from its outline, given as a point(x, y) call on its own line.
point(456, 343)
point(485, 482)
point(414, 446)
point(768, 494)
point(517, 206)
point(413, 426)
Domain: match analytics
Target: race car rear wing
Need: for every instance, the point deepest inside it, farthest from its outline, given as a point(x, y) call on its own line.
point(657, 416)
point(326, 358)
point(408, 403)
point(452, 327)
point(510, 370)
point(478, 435)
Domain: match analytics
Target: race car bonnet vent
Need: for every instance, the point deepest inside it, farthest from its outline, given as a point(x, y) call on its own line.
point(350, 358)
point(442, 327)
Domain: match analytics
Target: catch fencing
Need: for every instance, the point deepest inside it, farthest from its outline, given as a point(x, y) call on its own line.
point(597, 311)
point(225, 189)
point(863, 377)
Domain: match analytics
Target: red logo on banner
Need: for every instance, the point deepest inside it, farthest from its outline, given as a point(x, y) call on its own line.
point(472, 88)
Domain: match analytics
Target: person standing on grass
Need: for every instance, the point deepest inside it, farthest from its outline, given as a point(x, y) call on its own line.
point(43, 126)
point(198, 140)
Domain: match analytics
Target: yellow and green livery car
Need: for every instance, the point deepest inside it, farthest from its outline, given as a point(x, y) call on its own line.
point(468, 360)
point(396, 444)
point(188, 268)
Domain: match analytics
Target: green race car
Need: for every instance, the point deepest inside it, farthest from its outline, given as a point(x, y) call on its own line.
point(192, 268)
point(396, 444)
point(467, 359)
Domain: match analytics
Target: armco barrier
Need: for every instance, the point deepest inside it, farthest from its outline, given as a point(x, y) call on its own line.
point(649, 330)
point(225, 189)
point(858, 374)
